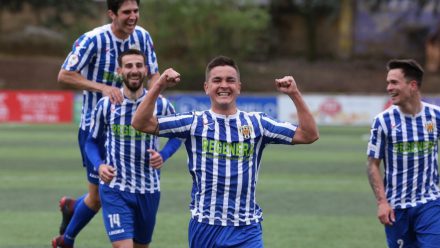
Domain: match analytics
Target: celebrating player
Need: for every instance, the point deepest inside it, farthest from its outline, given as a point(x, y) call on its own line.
point(224, 147)
point(91, 66)
point(405, 137)
point(130, 186)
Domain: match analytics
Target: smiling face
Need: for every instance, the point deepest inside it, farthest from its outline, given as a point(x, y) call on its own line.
point(125, 20)
point(133, 72)
point(223, 87)
point(399, 88)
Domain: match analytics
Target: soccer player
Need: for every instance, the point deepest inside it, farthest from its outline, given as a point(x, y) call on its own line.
point(405, 137)
point(129, 171)
point(91, 66)
point(224, 147)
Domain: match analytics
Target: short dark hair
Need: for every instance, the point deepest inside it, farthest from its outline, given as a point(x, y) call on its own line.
point(131, 52)
point(221, 61)
point(114, 5)
point(410, 68)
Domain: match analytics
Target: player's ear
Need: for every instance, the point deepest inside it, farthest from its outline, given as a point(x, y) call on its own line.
point(111, 15)
point(413, 84)
point(205, 86)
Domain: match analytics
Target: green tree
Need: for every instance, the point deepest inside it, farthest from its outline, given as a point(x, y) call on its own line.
point(191, 32)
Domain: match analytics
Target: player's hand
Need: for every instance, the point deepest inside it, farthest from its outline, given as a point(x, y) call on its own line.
point(156, 160)
point(169, 78)
point(113, 93)
point(286, 85)
point(106, 172)
point(385, 214)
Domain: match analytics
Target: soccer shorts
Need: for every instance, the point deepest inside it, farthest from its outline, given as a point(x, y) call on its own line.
point(92, 175)
point(415, 227)
point(202, 235)
point(128, 215)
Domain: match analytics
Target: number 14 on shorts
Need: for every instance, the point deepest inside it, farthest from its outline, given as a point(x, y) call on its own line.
point(114, 220)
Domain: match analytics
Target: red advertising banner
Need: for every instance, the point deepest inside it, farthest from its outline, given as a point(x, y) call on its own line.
point(29, 106)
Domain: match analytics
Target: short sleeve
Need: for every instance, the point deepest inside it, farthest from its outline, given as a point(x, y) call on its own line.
point(376, 143)
point(176, 125)
point(276, 132)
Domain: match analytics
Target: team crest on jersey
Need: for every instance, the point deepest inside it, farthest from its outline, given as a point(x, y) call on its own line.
point(246, 131)
point(429, 126)
point(73, 60)
point(135, 46)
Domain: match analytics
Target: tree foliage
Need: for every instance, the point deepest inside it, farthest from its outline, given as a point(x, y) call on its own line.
point(194, 31)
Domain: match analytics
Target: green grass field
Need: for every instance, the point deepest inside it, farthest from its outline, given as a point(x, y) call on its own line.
point(312, 196)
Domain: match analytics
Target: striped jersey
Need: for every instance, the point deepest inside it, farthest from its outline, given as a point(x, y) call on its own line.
point(408, 146)
point(224, 155)
point(95, 55)
point(126, 148)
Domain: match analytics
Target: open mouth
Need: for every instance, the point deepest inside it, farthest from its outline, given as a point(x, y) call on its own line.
point(131, 25)
point(133, 80)
point(223, 93)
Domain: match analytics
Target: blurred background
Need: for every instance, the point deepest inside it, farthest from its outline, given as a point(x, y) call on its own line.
point(328, 45)
point(313, 196)
point(334, 48)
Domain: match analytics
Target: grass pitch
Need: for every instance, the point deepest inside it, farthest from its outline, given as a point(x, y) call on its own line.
point(312, 196)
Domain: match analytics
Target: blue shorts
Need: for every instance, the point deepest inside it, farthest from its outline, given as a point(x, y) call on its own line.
point(128, 215)
point(92, 175)
point(416, 227)
point(202, 235)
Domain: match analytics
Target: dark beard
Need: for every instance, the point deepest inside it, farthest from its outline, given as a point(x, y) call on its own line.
point(131, 87)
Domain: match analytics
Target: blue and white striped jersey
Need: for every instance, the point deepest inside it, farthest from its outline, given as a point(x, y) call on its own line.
point(126, 148)
point(95, 55)
point(224, 154)
point(408, 146)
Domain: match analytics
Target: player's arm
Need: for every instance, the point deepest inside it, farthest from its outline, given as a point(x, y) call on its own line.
point(76, 80)
point(307, 131)
point(144, 119)
point(106, 172)
point(93, 154)
point(170, 148)
point(158, 158)
point(153, 78)
point(149, 52)
point(94, 140)
point(384, 211)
